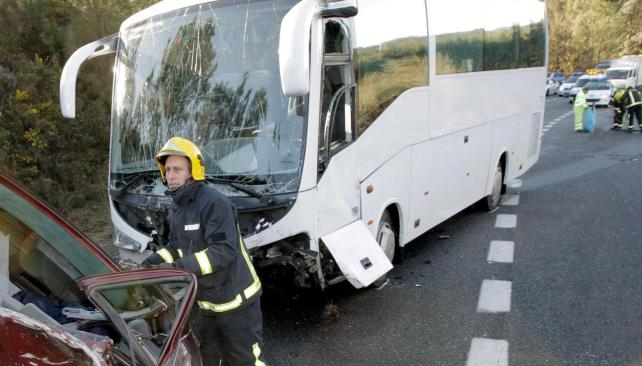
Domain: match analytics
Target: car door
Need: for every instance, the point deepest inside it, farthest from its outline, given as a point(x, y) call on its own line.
point(149, 309)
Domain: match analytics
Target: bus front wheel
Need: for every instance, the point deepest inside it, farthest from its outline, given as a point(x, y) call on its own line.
point(387, 239)
point(491, 201)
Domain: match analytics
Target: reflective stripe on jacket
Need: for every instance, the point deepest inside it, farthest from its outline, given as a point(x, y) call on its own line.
point(632, 98)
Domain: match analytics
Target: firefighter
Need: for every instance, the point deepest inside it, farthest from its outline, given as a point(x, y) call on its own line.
point(633, 105)
point(618, 109)
point(579, 107)
point(205, 239)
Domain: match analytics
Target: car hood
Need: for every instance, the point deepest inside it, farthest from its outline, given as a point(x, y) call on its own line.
point(28, 341)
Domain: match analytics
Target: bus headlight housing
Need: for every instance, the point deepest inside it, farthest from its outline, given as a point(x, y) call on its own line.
point(123, 241)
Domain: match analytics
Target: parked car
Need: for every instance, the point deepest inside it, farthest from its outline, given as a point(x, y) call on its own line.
point(64, 301)
point(567, 85)
point(551, 87)
point(600, 92)
point(581, 82)
point(602, 66)
point(557, 76)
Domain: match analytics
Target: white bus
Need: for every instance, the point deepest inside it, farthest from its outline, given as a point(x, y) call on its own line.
point(341, 130)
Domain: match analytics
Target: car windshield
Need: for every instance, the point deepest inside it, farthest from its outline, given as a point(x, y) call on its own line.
point(598, 85)
point(571, 79)
point(41, 259)
point(617, 74)
point(581, 82)
point(208, 73)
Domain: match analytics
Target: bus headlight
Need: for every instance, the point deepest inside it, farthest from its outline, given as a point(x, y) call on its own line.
point(123, 241)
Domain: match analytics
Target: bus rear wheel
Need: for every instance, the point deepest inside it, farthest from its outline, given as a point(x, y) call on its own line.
point(491, 201)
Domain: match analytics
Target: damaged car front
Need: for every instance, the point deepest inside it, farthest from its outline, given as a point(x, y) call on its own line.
point(63, 301)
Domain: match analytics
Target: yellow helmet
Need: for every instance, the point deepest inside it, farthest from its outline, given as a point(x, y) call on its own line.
point(182, 147)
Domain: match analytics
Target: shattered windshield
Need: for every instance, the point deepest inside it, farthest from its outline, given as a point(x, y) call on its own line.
point(209, 73)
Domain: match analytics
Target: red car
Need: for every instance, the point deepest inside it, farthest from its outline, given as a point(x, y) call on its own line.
point(63, 301)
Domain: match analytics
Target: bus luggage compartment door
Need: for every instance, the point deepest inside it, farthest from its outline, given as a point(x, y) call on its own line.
point(357, 254)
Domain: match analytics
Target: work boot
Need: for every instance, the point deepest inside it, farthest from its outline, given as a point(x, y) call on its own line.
point(616, 127)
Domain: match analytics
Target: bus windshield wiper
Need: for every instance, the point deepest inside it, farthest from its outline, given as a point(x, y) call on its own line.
point(245, 189)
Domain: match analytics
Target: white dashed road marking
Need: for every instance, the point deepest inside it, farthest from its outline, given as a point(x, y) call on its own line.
point(510, 200)
point(505, 221)
point(494, 296)
point(501, 251)
point(488, 352)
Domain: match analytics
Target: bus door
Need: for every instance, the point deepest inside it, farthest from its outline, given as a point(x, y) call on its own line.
point(355, 250)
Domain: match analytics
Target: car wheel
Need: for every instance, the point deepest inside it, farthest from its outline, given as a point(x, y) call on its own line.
point(491, 201)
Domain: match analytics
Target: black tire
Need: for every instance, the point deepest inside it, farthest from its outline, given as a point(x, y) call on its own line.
point(386, 231)
point(491, 202)
point(388, 240)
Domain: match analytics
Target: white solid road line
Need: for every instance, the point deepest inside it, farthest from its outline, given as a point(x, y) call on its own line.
point(501, 251)
point(494, 296)
point(510, 200)
point(506, 221)
point(488, 352)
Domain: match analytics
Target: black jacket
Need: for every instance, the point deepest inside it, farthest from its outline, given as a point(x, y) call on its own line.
point(205, 240)
point(631, 98)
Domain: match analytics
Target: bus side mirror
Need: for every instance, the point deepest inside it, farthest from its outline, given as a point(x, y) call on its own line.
point(294, 49)
point(294, 41)
point(104, 46)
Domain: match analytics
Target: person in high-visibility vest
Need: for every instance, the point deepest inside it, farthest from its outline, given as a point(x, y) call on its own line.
point(579, 107)
point(633, 105)
point(205, 239)
point(618, 109)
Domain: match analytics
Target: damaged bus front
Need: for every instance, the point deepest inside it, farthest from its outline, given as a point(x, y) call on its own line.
point(233, 77)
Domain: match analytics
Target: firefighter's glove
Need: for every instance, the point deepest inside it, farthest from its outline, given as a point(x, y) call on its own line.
point(146, 263)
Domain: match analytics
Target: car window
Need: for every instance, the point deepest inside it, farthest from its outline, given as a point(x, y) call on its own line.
point(598, 85)
point(44, 259)
point(581, 82)
point(149, 308)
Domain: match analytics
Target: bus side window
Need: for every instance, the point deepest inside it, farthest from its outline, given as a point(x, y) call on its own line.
point(336, 127)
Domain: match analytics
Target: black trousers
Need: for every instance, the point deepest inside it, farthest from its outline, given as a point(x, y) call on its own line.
point(637, 112)
point(617, 117)
point(230, 339)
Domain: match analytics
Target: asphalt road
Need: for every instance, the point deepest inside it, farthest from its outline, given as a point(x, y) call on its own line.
point(575, 284)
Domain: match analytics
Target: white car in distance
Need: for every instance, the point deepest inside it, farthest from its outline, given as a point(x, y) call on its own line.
point(599, 92)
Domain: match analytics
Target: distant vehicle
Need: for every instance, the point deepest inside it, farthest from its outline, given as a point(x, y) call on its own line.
point(602, 67)
point(63, 301)
point(552, 87)
point(567, 85)
point(625, 72)
point(557, 76)
point(599, 92)
point(581, 82)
